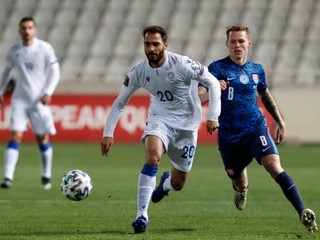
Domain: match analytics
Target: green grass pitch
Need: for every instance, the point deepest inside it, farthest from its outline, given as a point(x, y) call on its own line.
point(204, 209)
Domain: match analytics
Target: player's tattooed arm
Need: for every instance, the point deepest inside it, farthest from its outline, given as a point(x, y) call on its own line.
point(271, 107)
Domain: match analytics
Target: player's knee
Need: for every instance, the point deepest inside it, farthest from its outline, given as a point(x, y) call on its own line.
point(16, 136)
point(273, 167)
point(177, 186)
point(153, 160)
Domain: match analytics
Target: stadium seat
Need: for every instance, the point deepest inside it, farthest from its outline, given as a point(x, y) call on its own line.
point(26, 7)
point(230, 16)
point(265, 53)
point(285, 33)
point(215, 51)
point(161, 17)
point(260, 5)
point(51, 5)
point(288, 55)
point(93, 69)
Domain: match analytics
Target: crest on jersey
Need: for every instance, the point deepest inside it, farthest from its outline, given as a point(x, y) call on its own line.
point(154, 126)
point(29, 66)
point(170, 76)
point(126, 81)
point(197, 67)
point(244, 78)
point(255, 78)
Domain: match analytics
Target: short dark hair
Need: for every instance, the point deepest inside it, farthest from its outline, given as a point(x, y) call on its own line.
point(26, 19)
point(156, 29)
point(237, 28)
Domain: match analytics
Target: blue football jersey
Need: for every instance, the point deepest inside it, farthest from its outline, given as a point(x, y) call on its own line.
point(240, 113)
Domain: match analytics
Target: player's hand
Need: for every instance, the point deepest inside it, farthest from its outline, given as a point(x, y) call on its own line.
point(223, 85)
point(212, 126)
point(280, 134)
point(106, 145)
point(45, 99)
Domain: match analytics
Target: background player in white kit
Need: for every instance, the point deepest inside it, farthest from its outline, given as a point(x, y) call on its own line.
point(174, 116)
point(37, 75)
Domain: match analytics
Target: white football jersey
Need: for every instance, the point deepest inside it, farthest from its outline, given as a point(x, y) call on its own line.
point(32, 65)
point(173, 89)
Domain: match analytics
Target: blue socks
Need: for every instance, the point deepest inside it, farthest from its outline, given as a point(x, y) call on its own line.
point(13, 145)
point(149, 170)
point(291, 191)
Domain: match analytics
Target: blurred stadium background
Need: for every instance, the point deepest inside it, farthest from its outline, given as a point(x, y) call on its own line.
point(97, 41)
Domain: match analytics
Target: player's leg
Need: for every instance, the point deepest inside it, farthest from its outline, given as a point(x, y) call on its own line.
point(266, 152)
point(236, 157)
point(175, 181)
point(42, 126)
point(45, 154)
point(154, 150)
point(181, 152)
point(240, 186)
point(272, 164)
point(11, 157)
point(18, 124)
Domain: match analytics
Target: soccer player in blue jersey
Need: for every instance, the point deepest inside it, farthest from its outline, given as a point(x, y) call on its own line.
point(243, 132)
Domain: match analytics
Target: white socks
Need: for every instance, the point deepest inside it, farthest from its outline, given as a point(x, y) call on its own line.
point(10, 161)
point(146, 185)
point(46, 161)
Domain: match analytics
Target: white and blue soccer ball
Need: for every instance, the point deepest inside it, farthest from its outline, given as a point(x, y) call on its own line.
point(76, 185)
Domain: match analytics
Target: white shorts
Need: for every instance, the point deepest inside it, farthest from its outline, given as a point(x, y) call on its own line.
point(39, 115)
point(180, 144)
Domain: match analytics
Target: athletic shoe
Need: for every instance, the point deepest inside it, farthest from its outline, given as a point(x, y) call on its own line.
point(308, 219)
point(140, 224)
point(6, 183)
point(240, 199)
point(46, 185)
point(159, 193)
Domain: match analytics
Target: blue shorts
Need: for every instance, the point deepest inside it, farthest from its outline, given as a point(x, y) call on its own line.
point(237, 156)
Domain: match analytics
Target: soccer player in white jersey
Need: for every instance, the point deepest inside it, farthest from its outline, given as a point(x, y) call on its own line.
point(174, 116)
point(37, 75)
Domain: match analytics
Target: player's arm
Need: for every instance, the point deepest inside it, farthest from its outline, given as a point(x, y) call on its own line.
point(52, 82)
point(211, 125)
point(203, 90)
point(4, 82)
point(203, 94)
point(272, 108)
point(214, 94)
point(117, 108)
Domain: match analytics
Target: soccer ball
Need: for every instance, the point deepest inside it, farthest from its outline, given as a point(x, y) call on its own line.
point(76, 185)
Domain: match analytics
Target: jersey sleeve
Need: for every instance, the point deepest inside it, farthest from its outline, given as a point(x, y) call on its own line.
point(262, 85)
point(53, 79)
point(214, 71)
point(128, 88)
point(201, 73)
point(6, 73)
point(213, 86)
